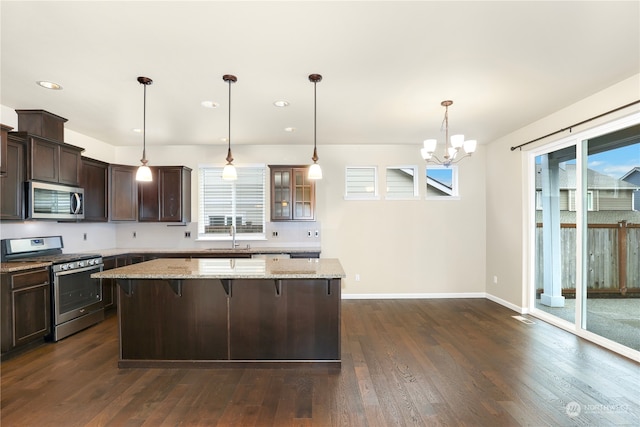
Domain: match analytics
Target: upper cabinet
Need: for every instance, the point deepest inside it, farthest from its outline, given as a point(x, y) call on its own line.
point(168, 197)
point(4, 130)
point(293, 194)
point(12, 183)
point(123, 193)
point(95, 181)
point(49, 158)
point(53, 161)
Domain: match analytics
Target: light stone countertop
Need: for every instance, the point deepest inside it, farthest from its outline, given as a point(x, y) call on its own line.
point(12, 267)
point(228, 268)
point(204, 251)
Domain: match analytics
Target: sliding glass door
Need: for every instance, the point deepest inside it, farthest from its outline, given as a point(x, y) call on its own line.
point(586, 243)
point(611, 201)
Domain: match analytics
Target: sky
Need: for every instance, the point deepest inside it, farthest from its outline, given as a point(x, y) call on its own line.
point(616, 163)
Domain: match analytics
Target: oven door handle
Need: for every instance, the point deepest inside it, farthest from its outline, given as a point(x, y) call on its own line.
point(98, 268)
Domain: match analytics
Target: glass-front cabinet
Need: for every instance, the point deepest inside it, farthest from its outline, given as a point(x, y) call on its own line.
point(293, 194)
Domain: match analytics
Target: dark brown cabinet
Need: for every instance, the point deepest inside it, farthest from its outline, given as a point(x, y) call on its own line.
point(123, 193)
point(168, 197)
point(26, 312)
point(284, 320)
point(4, 133)
point(95, 181)
point(12, 183)
point(293, 194)
point(110, 286)
point(53, 161)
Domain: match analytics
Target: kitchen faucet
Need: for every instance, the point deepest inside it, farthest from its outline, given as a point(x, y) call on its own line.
point(232, 233)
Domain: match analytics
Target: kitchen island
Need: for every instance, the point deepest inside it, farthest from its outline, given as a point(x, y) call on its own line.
point(228, 312)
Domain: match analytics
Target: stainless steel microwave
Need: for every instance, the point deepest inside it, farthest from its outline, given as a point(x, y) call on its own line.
point(54, 201)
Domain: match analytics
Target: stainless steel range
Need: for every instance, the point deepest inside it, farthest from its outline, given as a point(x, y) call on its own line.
point(76, 297)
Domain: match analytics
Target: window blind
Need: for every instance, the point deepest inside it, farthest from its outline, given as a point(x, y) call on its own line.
point(224, 203)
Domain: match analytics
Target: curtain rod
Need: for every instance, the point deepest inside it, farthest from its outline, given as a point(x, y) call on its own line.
point(574, 125)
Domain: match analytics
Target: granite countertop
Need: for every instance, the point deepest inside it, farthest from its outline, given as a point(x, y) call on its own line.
point(228, 268)
point(239, 250)
point(11, 267)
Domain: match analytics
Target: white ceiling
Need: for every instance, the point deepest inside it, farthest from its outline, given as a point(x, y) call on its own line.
point(386, 66)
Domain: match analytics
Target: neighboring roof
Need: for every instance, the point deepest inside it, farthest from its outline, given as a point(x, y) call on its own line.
point(439, 186)
point(633, 176)
point(595, 180)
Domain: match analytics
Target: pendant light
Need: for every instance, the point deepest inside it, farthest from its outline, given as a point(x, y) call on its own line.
point(315, 172)
point(229, 172)
point(144, 173)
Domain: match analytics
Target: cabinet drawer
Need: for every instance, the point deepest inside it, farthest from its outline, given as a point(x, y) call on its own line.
point(29, 278)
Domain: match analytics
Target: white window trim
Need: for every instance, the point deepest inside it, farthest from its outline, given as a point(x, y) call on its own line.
point(372, 196)
point(455, 190)
point(416, 185)
point(239, 236)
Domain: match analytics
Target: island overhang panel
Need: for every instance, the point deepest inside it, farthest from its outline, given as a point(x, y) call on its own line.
point(226, 312)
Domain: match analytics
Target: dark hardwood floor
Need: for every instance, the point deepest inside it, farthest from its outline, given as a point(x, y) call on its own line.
point(404, 362)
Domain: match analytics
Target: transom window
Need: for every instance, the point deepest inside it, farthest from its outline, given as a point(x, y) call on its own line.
point(442, 182)
point(402, 182)
point(240, 203)
point(361, 182)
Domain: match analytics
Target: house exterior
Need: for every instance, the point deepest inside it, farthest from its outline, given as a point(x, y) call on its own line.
point(633, 177)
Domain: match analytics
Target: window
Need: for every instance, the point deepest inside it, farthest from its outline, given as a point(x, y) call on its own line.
point(225, 203)
point(402, 182)
point(361, 183)
point(442, 182)
point(572, 200)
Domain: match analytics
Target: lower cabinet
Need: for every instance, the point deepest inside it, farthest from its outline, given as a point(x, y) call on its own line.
point(110, 286)
point(209, 320)
point(284, 320)
point(26, 308)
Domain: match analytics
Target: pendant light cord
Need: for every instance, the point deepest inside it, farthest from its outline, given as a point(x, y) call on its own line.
point(229, 127)
point(144, 125)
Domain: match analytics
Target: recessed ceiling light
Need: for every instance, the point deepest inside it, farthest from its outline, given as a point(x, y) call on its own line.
point(281, 103)
point(289, 129)
point(209, 104)
point(49, 85)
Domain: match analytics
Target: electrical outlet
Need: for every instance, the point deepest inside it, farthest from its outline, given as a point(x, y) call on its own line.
point(357, 277)
point(187, 234)
point(309, 233)
point(495, 280)
point(274, 234)
point(317, 233)
point(134, 234)
point(84, 237)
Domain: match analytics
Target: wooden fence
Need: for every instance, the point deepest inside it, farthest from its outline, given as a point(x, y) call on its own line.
point(613, 262)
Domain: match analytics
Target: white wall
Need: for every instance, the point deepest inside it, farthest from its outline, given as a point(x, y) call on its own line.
point(506, 186)
point(397, 247)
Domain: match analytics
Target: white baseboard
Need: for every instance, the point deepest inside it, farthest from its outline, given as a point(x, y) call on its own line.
point(517, 309)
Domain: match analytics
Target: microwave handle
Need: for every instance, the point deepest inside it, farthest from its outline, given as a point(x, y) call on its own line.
point(78, 203)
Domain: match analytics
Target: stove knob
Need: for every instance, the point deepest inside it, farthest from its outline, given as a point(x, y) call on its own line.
point(80, 264)
point(65, 266)
point(91, 262)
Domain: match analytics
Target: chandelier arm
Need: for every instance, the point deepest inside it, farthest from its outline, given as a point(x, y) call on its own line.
point(437, 160)
point(466, 155)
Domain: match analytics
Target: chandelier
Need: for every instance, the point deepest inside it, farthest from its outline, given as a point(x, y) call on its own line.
point(451, 146)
